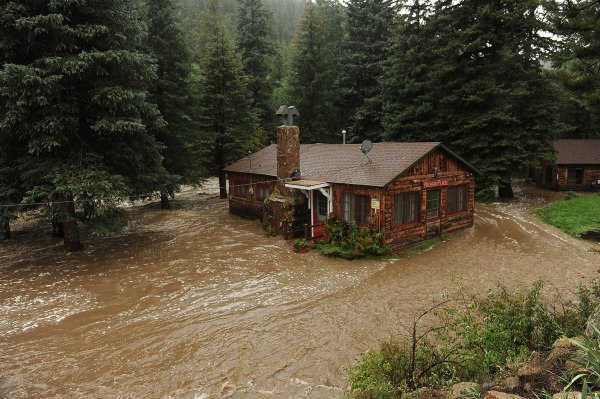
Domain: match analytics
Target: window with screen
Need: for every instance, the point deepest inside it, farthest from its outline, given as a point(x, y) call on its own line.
point(356, 208)
point(347, 207)
point(322, 205)
point(457, 199)
point(362, 209)
point(240, 189)
point(406, 208)
point(433, 203)
point(262, 191)
point(575, 176)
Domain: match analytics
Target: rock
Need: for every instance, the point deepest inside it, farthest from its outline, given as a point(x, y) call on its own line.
point(501, 395)
point(511, 383)
point(426, 393)
point(462, 389)
point(571, 365)
point(533, 368)
point(563, 350)
point(593, 320)
point(567, 395)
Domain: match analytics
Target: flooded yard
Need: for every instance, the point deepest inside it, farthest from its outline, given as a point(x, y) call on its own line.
point(196, 303)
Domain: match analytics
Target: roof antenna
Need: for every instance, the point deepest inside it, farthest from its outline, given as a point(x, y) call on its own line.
point(365, 147)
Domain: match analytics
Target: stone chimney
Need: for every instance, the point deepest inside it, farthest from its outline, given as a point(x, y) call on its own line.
point(288, 156)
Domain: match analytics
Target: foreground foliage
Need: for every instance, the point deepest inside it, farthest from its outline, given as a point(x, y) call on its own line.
point(470, 338)
point(574, 215)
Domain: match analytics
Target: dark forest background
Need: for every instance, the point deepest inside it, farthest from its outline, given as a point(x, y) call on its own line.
point(101, 101)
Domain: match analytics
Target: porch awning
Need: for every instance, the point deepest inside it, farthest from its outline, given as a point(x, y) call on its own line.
point(307, 184)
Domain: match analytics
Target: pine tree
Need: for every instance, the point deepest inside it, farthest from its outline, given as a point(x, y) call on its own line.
point(367, 48)
point(498, 106)
point(491, 103)
point(225, 113)
point(578, 64)
point(171, 93)
point(256, 47)
point(74, 101)
point(311, 78)
point(408, 89)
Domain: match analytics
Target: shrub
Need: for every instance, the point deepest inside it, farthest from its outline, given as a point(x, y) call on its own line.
point(587, 373)
point(347, 240)
point(474, 337)
point(301, 244)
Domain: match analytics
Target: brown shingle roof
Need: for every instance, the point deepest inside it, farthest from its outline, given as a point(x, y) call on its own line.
point(343, 163)
point(572, 151)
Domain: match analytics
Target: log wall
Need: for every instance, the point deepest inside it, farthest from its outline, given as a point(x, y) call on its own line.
point(560, 177)
point(250, 205)
point(439, 170)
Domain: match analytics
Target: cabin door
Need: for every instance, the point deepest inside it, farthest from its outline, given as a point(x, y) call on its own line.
point(320, 212)
point(433, 225)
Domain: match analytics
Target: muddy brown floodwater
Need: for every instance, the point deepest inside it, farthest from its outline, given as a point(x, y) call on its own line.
point(195, 303)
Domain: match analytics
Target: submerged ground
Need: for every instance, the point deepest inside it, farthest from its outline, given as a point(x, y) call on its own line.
point(195, 303)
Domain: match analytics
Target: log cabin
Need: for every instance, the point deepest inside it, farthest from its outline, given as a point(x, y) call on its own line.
point(410, 191)
point(576, 166)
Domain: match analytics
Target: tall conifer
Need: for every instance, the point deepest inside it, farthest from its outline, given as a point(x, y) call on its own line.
point(74, 102)
point(256, 46)
point(171, 93)
point(408, 89)
point(578, 24)
point(311, 77)
point(369, 25)
point(225, 112)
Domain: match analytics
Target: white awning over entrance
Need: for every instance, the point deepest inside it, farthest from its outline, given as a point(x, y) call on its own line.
point(307, 184)
point(309, 188)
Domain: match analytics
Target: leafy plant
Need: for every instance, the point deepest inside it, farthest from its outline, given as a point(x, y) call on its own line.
point(588, 371)
point(301, 244)
point(348, 240)
point(472, 337)
point(270, 231)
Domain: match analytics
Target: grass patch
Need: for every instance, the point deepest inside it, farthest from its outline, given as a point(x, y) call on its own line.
point(574, 215)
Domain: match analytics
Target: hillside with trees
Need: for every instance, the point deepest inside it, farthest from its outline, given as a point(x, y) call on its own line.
point(123, 99)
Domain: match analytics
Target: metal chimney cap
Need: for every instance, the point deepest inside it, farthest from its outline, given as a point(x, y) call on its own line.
point(287, 113)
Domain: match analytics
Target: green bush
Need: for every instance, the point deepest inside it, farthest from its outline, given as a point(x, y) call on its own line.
point(587, 374)
point(474, 337)
point(347, 240)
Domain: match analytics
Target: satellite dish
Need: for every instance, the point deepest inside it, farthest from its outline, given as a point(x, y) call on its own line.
point(365, 147)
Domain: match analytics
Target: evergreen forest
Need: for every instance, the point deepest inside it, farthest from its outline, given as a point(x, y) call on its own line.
point(101, 102)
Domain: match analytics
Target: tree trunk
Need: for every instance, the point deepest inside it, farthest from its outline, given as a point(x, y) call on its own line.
point(71, 237)
point(164, 201)
point(57, 228)
point(222, 184)
point(6, 229)
point(505, 190)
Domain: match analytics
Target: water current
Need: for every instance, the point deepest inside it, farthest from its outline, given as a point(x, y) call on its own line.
point(196, 303)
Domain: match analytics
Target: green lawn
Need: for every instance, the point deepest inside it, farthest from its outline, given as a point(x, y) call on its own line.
point(573, 216)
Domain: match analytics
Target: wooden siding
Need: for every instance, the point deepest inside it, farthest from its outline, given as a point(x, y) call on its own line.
point(449, 173)
point(248, 206)
point(559, 180)
point(439, 170)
